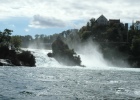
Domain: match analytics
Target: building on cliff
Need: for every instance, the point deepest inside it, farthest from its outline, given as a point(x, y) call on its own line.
point(102, 20)
point(113, 21)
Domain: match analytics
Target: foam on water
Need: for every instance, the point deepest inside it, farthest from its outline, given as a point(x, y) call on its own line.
point(42, 60)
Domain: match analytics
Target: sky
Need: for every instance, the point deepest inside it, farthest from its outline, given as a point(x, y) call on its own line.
point(31, 17)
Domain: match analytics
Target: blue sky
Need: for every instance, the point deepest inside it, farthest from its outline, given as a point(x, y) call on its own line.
point(20, 26)
point(30, 17)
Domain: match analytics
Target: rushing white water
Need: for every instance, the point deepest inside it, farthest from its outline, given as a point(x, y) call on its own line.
point(42, 60)
point(89, 59)
point(92, 59)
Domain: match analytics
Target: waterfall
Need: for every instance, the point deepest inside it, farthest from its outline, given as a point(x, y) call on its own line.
point(94, 60)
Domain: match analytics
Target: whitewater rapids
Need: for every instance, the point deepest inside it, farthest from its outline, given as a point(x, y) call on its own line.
point(50, 80)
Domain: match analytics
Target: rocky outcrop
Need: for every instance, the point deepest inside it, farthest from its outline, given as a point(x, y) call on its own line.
point(26, 58)
point(64, 55)
point(13, 58)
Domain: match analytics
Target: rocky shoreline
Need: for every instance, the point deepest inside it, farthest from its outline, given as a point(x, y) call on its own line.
point(16, 58)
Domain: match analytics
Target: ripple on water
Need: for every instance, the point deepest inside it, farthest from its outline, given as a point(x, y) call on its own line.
point(27, 93)
point(1, 74)
point(2, 97)
point(137, 92)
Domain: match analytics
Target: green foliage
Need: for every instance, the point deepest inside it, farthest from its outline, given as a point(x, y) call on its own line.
point(135, 46)
point(16, 41)
point(5, 36)
point(85, 35)
point(115, 32)
point(63, 54)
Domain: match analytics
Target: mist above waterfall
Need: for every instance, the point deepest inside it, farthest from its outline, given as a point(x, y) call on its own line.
point(92, 57)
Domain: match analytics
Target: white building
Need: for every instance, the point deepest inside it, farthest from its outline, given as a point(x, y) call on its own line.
point(137, 25)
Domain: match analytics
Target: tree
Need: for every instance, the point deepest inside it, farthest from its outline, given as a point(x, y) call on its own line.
point(5, 36)
point(16, 41)
point(135, 47)
point(85, 35)
point(36, 36)
point(92, 21)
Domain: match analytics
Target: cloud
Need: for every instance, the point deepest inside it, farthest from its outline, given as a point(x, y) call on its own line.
point(45, 22)
point(59, 12)
point(26, 30)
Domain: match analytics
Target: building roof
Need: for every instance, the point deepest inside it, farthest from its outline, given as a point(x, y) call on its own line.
point(137, 22)
point(102, 16)
point(114, 20)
